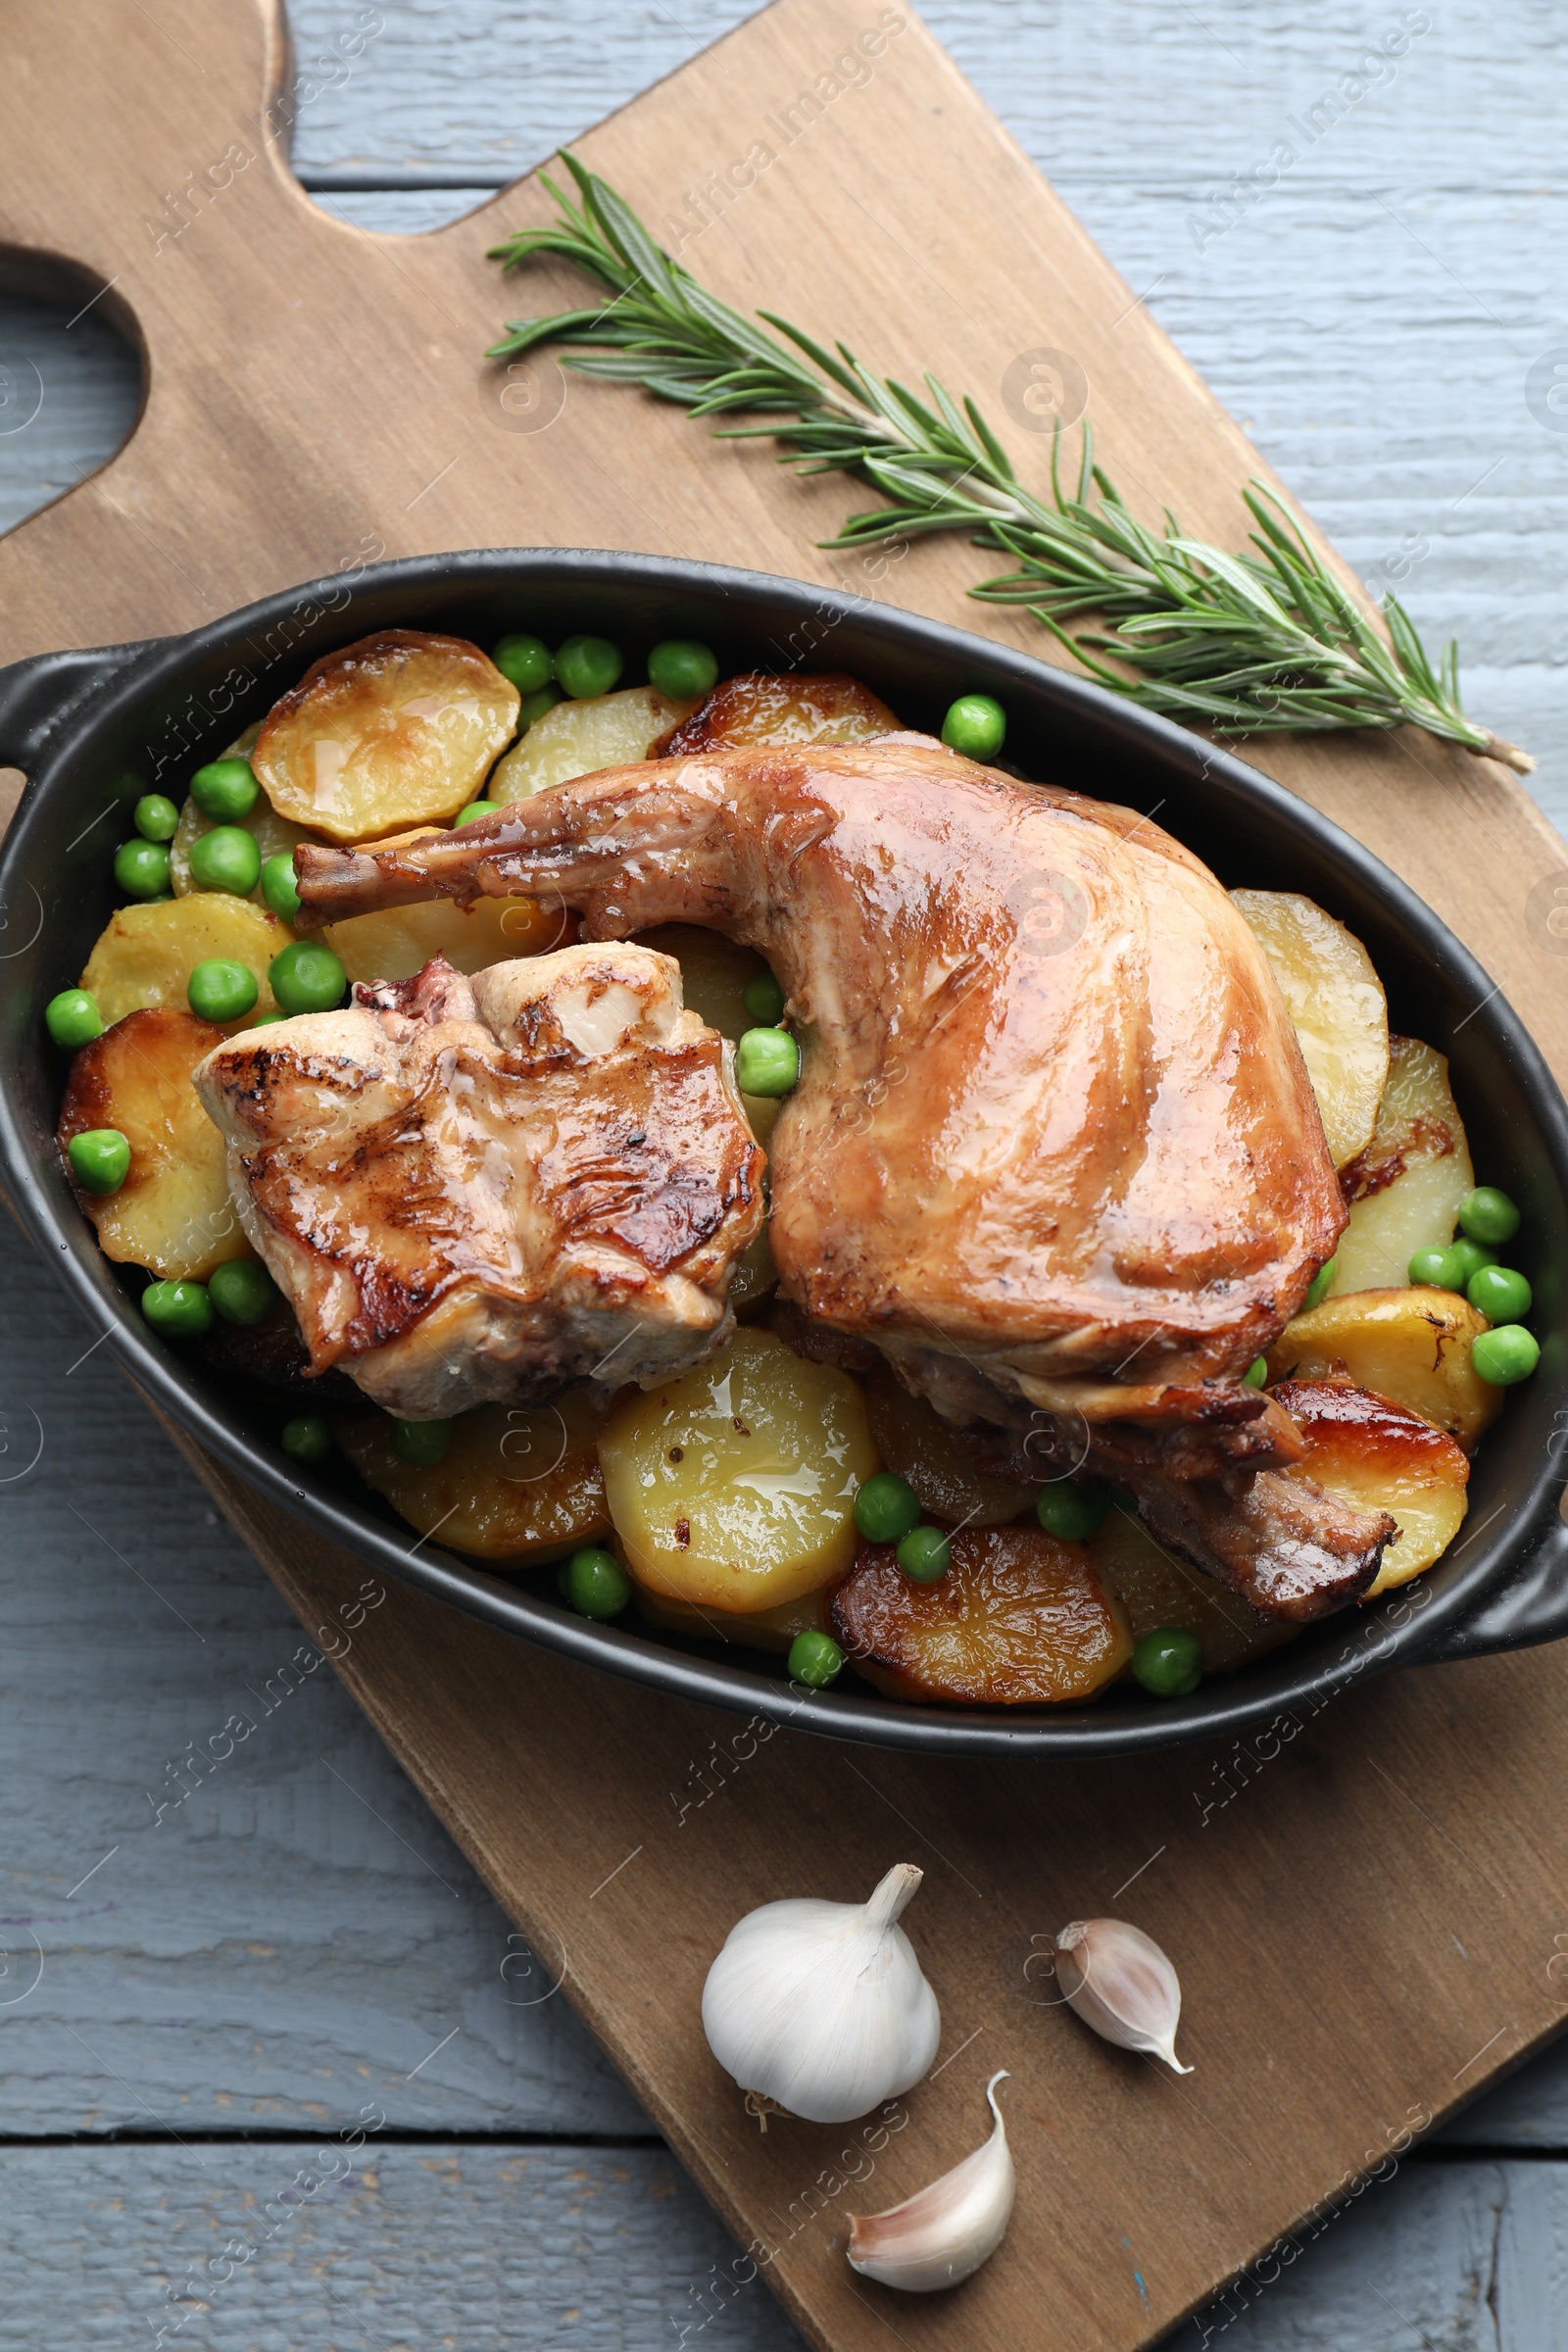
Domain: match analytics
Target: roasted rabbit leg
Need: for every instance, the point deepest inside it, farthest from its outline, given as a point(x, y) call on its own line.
point(1053, 1152)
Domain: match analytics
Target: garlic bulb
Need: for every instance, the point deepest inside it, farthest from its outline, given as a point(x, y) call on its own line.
point(1120, 1983)
point(943, 2233)
point(822, 2006)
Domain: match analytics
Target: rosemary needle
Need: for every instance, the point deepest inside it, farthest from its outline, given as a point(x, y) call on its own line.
point(1267, 641)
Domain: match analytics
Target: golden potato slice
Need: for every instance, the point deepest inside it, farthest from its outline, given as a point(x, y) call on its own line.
point(1020, 1619)
point(772, 1630)
point(579, 739)
point(271, 833)
point(913, 1439)
point(1337, 1006)
point(1156, 1589)
point(1411, 1346)
point(398, 729)
point(758, 708)
point(172, 1214)
point(1405, 1188)
point(397, 944)
point(517, 1483)
point(146, 955)
point(733, 1487)
point(1374, 1452)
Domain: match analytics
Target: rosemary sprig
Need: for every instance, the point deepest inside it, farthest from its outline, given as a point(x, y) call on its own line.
point(1267, 641)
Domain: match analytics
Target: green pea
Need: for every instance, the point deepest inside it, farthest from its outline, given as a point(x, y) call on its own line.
point(1488, 1215)
point(886, 1508)
point(924, 1556)
point(473, 812)
point(1500, 1294)
point(100, 1159)
point(525, 660)
point(155, 817)
point(1072, 1509)
point(1469, 1257)
point(1321, 1283)
point(242, 1290)
point(306, 977)
point(767, 1061)
point(142, 869)
point(225, 858)
point(1256, 1372)
point(277, 885)
point(421, 1443)
point(264, 1020)
point(586, 665)
point(1169, 1661)
point(534, 705)
point(681, 667)
point(177, 1310)
point(305, 1438)
point(225, 790)
point(815, 1659)
point(220, 991)
point(1438, 1269)
point(596, 1584)
point(1505, 1355)
point(764, 999)
point(975, 726)
point(73, 1018)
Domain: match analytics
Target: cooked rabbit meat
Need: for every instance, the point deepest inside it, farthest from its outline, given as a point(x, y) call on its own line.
point(1054, 1129)
point(470, 1189)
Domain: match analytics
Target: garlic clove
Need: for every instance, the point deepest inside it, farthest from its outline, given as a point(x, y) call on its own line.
point(823, 2007)
point(946, 2231)
point(1120, 1983)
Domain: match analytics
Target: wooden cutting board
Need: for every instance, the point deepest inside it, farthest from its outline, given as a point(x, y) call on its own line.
point(1363, 1907)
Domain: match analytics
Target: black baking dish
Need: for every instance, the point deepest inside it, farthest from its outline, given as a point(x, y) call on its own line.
point(92, 730)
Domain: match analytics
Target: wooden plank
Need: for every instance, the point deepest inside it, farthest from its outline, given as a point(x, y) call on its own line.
point(610, 2250)
point(1137, 374)
point(398, 2249)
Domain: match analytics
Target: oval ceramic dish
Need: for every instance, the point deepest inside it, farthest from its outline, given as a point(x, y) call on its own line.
point(92, 730)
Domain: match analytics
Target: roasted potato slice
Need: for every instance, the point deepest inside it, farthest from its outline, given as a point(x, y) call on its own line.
point(271, 833)
point(771, 1629)
point(517, 1483)
point(757, 709)
point(398, 729)
point(1156, 1589)
point(1405, 1188)
point(1371, 1452)
point(146, 955)
point(396, 944)
point(1337, 1006)
point(1019, 1619)
point(172, 1214)
point(1411, 1346)
point(579, 739)
point(733, 1487)
point(913, 1439)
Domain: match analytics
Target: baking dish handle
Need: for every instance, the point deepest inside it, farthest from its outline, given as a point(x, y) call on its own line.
point(1531, 1608)
point(37, 696)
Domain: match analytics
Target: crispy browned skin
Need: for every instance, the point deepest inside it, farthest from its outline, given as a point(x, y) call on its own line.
point(1053, 1143)
point(470, 1189)
point(1051, 1111)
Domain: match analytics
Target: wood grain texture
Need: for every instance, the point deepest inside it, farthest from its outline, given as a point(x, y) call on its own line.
point(971, 619)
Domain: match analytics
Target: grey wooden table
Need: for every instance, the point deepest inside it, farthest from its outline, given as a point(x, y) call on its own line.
point(203, 2002)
